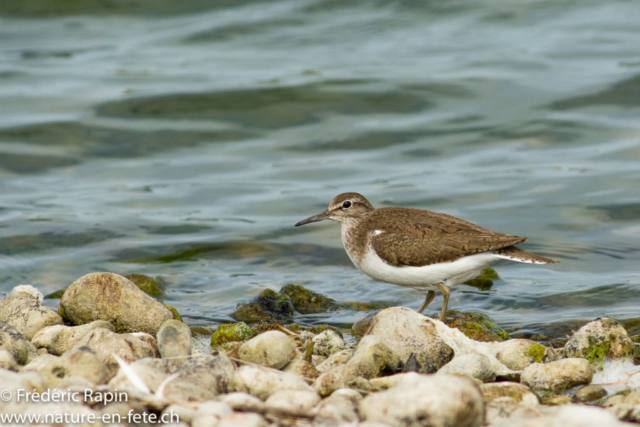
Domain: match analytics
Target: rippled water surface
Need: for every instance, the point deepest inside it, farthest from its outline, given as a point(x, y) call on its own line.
point(184, 140)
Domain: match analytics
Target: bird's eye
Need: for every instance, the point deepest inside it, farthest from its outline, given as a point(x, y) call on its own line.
point(346, 205)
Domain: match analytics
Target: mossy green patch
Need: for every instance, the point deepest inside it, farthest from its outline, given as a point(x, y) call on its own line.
point(173, 311)
point(485, 280)
point(269, 306)
point(476, 326)
point(149, 285)
point(597, 353)
point(536, 352)
point(230, 332)
point(55, 295)
point(308, 302)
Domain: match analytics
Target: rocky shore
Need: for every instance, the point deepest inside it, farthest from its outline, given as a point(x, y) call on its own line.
point(113, 352)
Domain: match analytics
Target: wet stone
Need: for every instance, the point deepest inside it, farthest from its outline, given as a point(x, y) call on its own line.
point(590, 393)
point(269, 306)
point(149, 285)
point(361, 327)
point(231, 332)
point(517, 354)
point(555, 377)
point(476, 326)
point(600, 339)
point(484, 281)
point(308, 302)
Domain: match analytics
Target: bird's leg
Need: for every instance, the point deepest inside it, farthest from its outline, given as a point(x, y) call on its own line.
point(430, 296)
point(445, 294)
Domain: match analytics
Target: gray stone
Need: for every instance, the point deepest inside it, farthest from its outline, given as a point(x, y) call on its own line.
point(294, 400)
point(263, 382)
point(371, 359)
point(80, 362)
point(555, 377)
point(26, 313)
point(174, 340)
point(336, 359)
point(16, 344)
point(601, 339)
point(111, 297)
point(203, 377)
point(59, 339)
point(474, 365)
point(437, 400)
point(339, 408)
point(130, 347)
point(411, 335)
point(272, 349)
point(505, 408)
point(328, 342)
point(517, 354)
point(590, 393)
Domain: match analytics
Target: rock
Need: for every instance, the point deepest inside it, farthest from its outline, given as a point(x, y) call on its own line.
point(520, 393)
point(230, 332)
point(129, 347)
point(485, 280)
point(15, 382)
point(242, 419)
point(361, 327)
point(340, 408)
point(240, 399)
point(590, 393)
point(437, 400)
point(59, 339)
point(410, 333)
point(557, 400)
point(308, 302)
point(55, 295)
point(148, 285)
point(567, 416)
point(16, 344)
point(183, 413)
point(600, 339)
point(37, 363)
point(474, 365)
point(263, 382)
point(268, 306)
point(7, 361)
point(555, 377)
point(80, 362)
point(504, 408)
point(384, 383)
point(302, 368)
point(273, 349)
point(174, 312)
point(336, 359)
point(371, 359)
point(210, 413)
point(151, 371)
point(25, 312)
point(293, 400)
point(476, 326)
point(174, 340)
point(110, 297)
point(517, 354)
point(328, 342)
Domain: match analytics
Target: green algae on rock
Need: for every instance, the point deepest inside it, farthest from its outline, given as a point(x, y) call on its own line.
point(55, 295)
point(599, 340)
point(149, 285)
point(173, 311)
point(268, 306)
point(476, 326)
point(485, 280)
point(230, 332)
point(308, 302)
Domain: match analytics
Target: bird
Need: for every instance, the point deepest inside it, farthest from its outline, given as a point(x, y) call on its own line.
point(416, 248)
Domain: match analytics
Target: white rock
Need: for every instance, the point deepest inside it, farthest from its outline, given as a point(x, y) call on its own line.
point(272, 349)
point(7, 361)
point(442, 400)
point(474, 365)
point(606, 336)
point(263, 382)
point(517, 354)
point(183, 413)
point(293, 399)
point(567, 416)
point(240, 399)
point(26, 313)
point(29, 290)
point(328, 342)
point(336, 359)
point(242, 419)
point(59, 339)
point(557, 376)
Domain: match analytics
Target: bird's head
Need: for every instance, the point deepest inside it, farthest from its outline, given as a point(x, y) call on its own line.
point(343, 208)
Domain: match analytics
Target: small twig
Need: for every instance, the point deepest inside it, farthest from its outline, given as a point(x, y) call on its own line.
point(286, 331)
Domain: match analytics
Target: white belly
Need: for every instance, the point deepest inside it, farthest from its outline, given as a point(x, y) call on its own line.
point(425, 278)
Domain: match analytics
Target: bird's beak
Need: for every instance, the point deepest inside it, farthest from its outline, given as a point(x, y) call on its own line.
point(320, 217)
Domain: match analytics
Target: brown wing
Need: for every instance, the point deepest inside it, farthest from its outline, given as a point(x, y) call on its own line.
point(420, 238)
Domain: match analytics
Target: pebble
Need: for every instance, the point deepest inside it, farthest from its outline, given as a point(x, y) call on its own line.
point(590, 393)
point(328, 342)
point(59, 339)
point(81, 362)
point(517, 354)
point(7, 361)
point(111, 297)
point(336, 359)
point(294, 400)
point(555, 377)
point(502, 408)
point(520, 393)
point(273, 349)
point(25, 312)
point(600, 339)
point(174, 340)
point(16, 344)
point(302, 368)
point(443, 400)
point(262, 382)
point(474, 365)
point(410, 333)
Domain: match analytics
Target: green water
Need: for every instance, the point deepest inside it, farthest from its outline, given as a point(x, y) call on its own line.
point(184, 140)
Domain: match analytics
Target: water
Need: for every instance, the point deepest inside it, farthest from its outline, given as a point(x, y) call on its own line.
point(184, 140)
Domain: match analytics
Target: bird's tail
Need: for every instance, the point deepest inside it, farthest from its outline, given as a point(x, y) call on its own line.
point(516, 254)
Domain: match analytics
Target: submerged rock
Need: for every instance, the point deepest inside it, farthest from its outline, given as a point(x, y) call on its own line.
point(174, 340)
point(308, 302)
point(476, 326)
point(273, 349)
point(517, 354)
point(231, 332)
point(269, 306)
point(411, 335)
point(484, 281)
point(437, 400)
point(59, 339)
point(371, 359)
point(110, 297)
point(148, 285)
point(555, 377)
point(599, 340)
point(24, 311)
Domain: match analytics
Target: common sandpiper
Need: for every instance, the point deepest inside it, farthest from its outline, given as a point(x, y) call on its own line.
point(417, 248)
